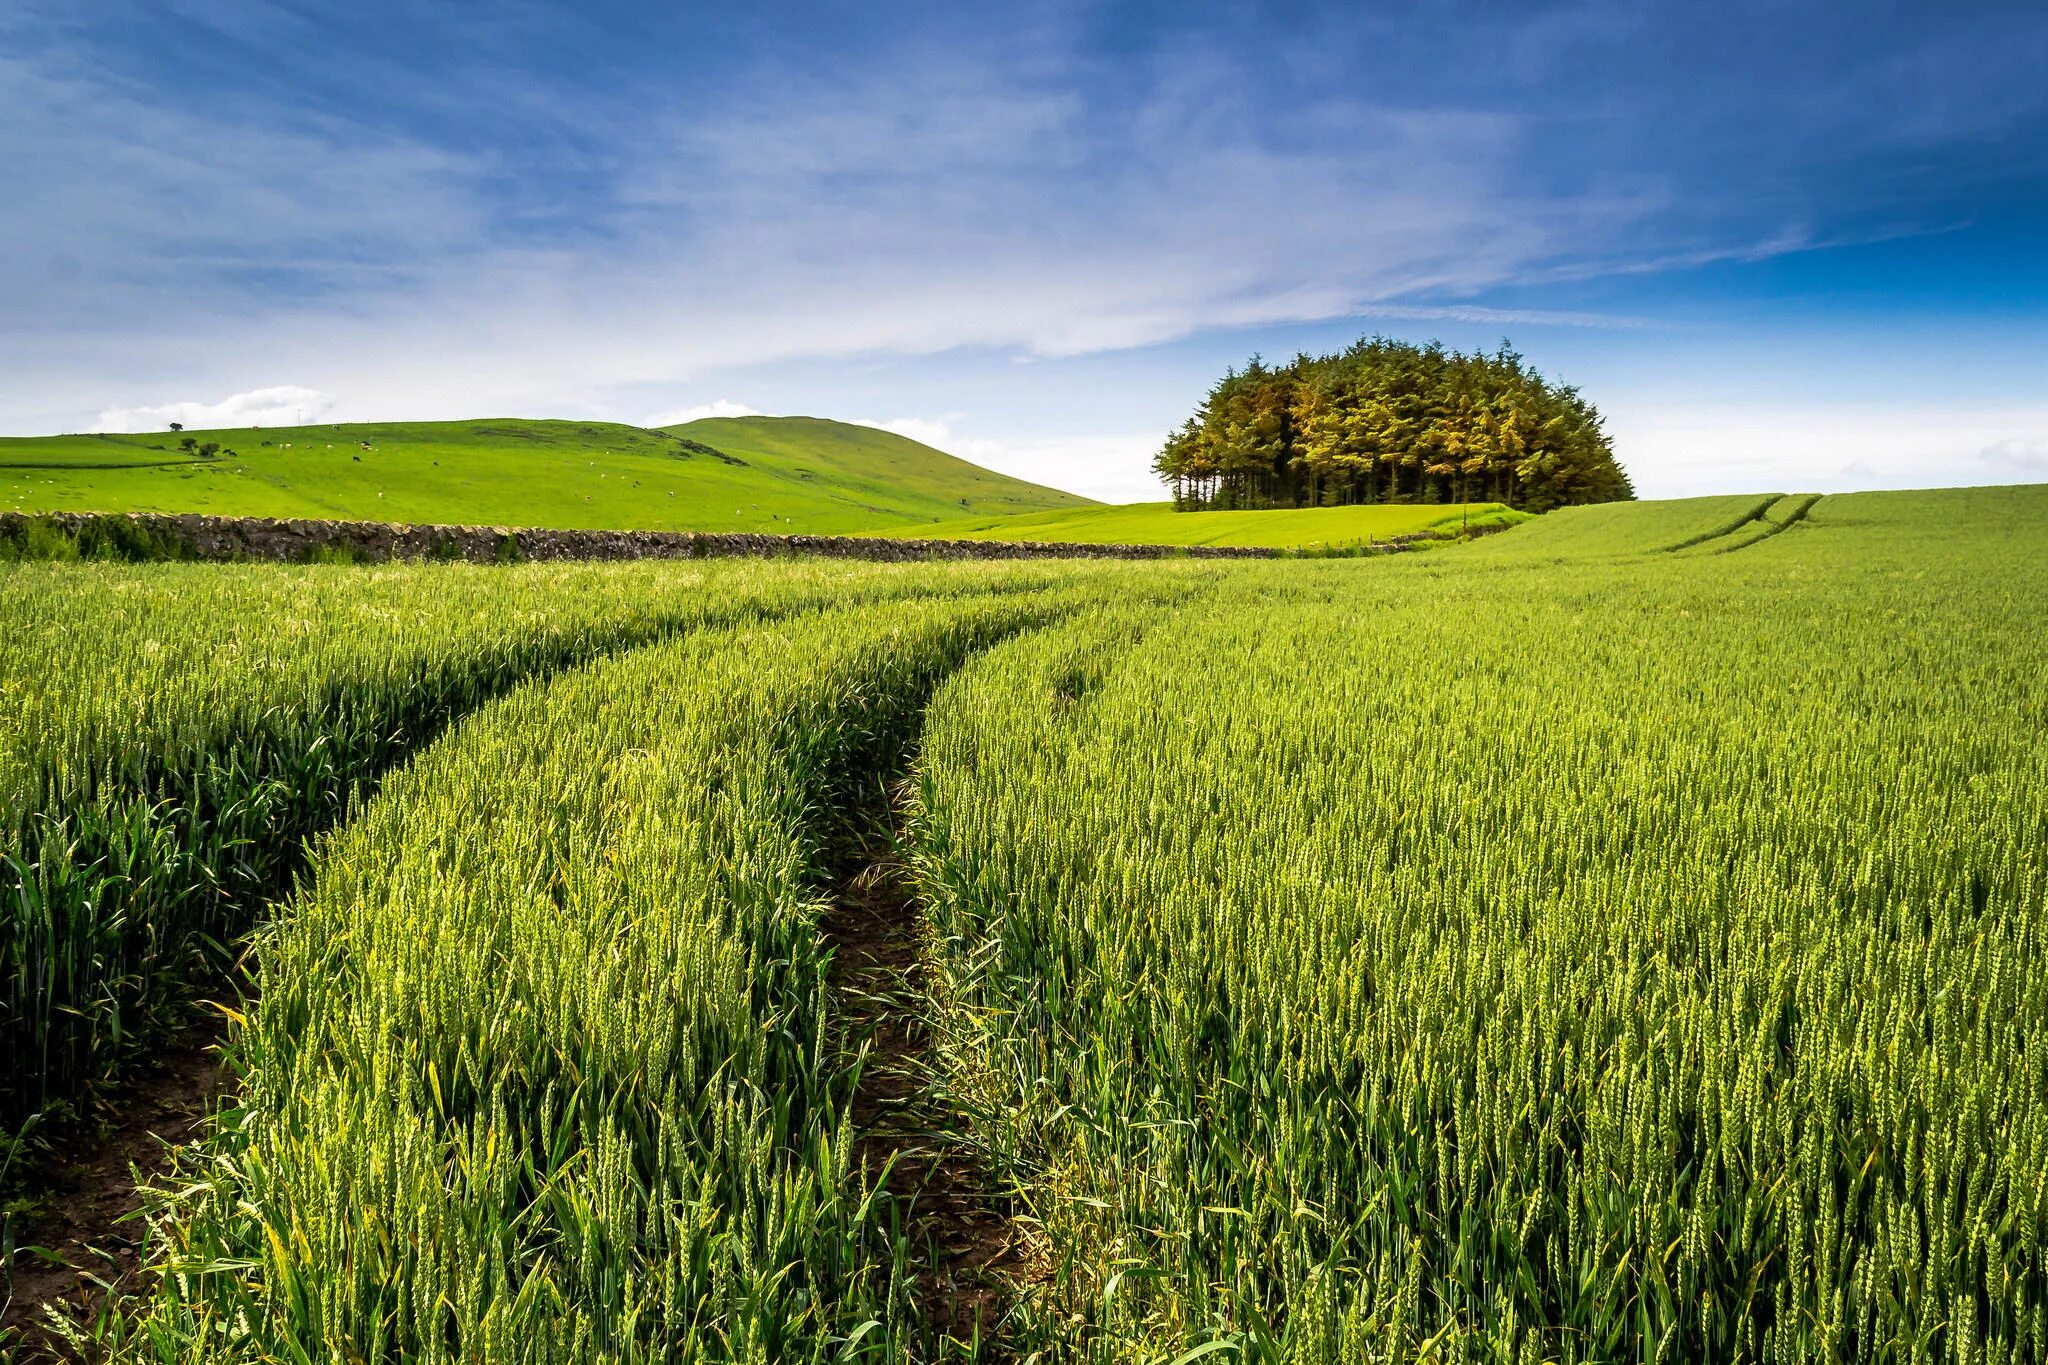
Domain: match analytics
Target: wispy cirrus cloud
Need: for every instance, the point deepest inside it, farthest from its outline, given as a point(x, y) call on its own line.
point(131, 210)
point(992, 194)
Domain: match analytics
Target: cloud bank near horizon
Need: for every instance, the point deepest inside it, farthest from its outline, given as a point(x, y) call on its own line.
point(279, 406)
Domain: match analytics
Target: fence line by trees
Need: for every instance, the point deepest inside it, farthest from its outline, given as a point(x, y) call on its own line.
point(1391, 421)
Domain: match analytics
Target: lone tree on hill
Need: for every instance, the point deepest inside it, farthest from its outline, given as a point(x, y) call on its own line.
point(1391, 422)
point(177, 426)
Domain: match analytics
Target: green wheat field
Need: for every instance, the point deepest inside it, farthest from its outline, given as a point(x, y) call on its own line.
point(1617, 938)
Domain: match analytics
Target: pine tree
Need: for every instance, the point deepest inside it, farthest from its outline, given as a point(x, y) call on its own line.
point(1390, 421)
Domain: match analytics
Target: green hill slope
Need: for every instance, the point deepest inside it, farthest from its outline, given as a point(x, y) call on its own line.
point(871, 470)
point(790, 474)
point(1156, 523)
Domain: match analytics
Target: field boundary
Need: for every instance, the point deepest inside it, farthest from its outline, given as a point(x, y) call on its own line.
point(195, 536)
point(73, 466)
point(201, 537)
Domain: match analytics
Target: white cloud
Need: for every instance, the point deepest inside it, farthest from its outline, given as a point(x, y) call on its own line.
point(1825, 449)
point(956, 200)
point(2019, 454)
point(721, 407)
point(933, 431)
point(1510, 317)
point(1109, 467)
point(284, 405)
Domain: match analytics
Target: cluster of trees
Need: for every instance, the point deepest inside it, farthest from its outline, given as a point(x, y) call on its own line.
point(1390, 421)
point(192, 445)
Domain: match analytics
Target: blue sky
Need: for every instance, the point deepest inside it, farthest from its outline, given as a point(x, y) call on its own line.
point(1781, 245)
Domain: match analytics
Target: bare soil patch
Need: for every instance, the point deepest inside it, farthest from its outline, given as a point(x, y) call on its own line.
point(977, 1258)
point(83, 1241)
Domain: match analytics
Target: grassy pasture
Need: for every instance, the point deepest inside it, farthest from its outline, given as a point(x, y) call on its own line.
point(1157, 523)
point(872, 471)
point(768, 474)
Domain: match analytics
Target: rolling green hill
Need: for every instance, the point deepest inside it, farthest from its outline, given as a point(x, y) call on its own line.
point(787, 474)
point(1156, 523)
point(872, 470)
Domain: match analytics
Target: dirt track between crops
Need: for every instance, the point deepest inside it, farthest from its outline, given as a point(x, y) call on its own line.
point(977, 1260)
point(91, 1221)
point(978, 1257)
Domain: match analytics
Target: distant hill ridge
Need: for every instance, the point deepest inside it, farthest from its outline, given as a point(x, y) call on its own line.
point(789, 475)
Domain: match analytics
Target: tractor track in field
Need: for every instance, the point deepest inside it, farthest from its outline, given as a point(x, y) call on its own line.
point(87, 1241)
point(1722, 532)
point(76, 1235)
point(976, 1258)
point(79, 1244)
point(1753, 527)
point(1797, 509)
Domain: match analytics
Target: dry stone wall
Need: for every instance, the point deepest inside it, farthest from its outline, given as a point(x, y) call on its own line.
point(193, 536)
point(209, 537)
